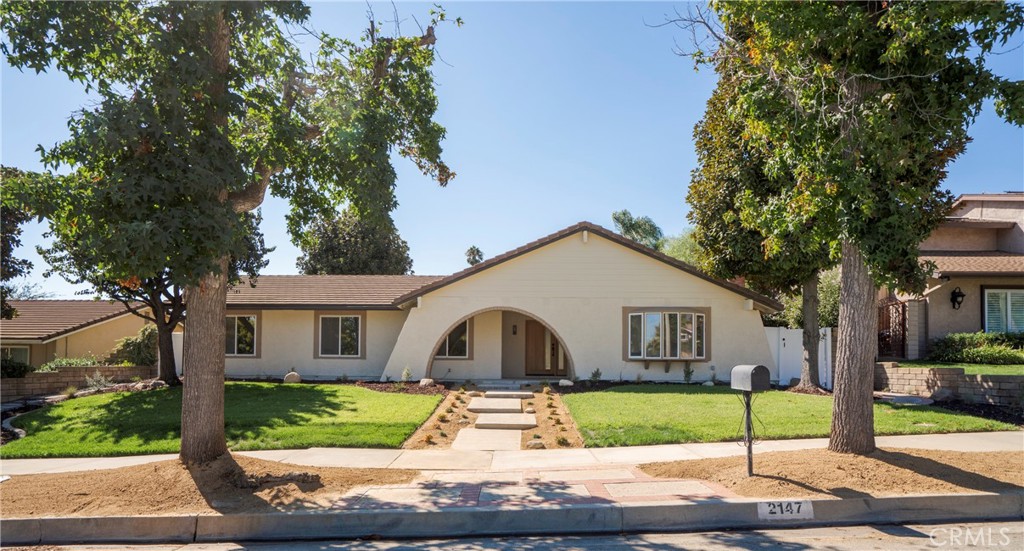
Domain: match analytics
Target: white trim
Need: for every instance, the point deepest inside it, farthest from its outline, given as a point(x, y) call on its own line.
point(359, 330)
point(90, 326)
point(1008, 317)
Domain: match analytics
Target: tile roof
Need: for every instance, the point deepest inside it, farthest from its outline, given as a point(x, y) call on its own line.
point(360, 292)
point(596, 230)
point(964, 263)
point(47, 319)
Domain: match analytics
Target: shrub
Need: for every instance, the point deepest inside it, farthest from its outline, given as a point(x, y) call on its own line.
point(69, 392)
point(595, 376)
point(562, 441)
point(138, 350)
point(97, 381)
point(1003, 348)
point(13, 368)
point(406, 375)
point(55, 365)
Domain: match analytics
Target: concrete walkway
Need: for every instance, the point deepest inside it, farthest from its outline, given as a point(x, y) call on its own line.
point(481, 462)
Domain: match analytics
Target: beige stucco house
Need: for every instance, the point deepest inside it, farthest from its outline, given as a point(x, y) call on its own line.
point(978, 283)
point(579, 300)
point(47, 329)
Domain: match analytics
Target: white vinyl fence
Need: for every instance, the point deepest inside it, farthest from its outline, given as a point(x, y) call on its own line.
point(787, 347)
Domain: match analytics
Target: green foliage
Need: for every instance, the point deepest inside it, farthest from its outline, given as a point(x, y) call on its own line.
point(349, 244)
point(406, 375)
point(13, 213)
point(672, 414)
point(137, 350)
point(595, 376)
point(980, 348)
point(641, 229)
point(683, 247)
point(474, 255)
point(792, 315)
point(259, 416)
point(57, 363)
point(13, 368)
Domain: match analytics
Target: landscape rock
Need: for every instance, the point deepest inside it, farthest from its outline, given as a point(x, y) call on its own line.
point(475, 393)
point(463, 421)
point(565, 382)
point(529, 410)
point(708, 383)
point(292, 377)
point(426, 382)
point(535, 445)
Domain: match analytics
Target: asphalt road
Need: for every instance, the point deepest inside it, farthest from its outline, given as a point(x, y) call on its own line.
point(992, 536)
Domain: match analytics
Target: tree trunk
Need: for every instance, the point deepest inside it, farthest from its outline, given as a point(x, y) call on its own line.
point(202, 400)
point(853, 405)
point(165, 344)
point(812, 334)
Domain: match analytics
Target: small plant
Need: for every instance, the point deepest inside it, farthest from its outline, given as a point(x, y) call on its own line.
point(397, 387)
point(687, 373)
point(136, 379)
point(462, 389)
point(428, 439)
point(714, 376)
point(387, 378)
point(536, 437)
point(639, 378)
point(449, 410)
point(406, 375)
point(530, 403)
point(563, 429)
point(552, 405)
point(97, 381)
point(442, 418)
point(443, 434)
point(464, 416)
point(558, 421)
point(595, 376)
point(344, 377)
point(562, 441)
point(69, 392)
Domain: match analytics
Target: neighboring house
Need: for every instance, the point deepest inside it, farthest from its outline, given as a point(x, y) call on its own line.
point(978, 283)
point(576, 301)
point(47, 329)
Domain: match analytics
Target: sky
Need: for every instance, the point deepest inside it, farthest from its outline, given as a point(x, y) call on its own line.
point(555, 113)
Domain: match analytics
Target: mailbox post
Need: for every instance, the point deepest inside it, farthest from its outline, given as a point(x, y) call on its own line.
point(750, 379)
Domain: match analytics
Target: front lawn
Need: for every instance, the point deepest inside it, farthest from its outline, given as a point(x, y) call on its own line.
point(259, 416)
point(636, 415)
point(969, 369)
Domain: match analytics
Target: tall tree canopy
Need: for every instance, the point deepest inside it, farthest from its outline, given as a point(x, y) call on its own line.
point(641, 229)
point(13, 213)
point(683, 247)
point(204, 107)
point(349, 244)
point(863, 104)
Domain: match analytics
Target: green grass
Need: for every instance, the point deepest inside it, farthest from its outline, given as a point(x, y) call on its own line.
point(969, 369)
point(636, 415)
point(259, 416)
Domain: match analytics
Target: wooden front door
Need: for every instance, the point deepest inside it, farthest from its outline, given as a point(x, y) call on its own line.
point(542, 358)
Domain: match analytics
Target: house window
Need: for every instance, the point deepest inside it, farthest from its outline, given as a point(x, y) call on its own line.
point(240, 335)
point(16, 353)
point(659, 335)
point(339, 336)
point(1004, 310)
point(456, 343)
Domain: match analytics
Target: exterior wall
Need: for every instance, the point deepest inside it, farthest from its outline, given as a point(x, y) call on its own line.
point(946, 238)
point(992, 210)
point(579, 290)
point(35, 384)
point(950, 384)
point(486, 346)
point(942, 319)
point(1011, 240)
point(98, 340)
point(285, 342)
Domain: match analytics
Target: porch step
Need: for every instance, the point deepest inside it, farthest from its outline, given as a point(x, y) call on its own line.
point(498, 386)
point(496, 405)
point(514, 421)
point(517, 394)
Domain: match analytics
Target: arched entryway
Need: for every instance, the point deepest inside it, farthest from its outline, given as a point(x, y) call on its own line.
point(500, 342)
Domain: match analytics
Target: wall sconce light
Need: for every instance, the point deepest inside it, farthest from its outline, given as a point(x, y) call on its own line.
point(515, 329)
point(957, 298)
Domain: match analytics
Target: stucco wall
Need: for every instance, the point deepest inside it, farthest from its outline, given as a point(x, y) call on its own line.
point(287, 342)
point(98, 340)
point(991, 210)
point(487, 352)
point(579, 290)
point(961, 239)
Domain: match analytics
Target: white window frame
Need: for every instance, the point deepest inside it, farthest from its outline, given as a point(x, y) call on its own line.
point(446, 343)
point(255, 336)
point(359, 336)
point(1008, 326)
point(665, 341)
point(25, 347)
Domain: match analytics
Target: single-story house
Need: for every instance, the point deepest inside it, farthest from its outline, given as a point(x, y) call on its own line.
point(580, 300)
point(44, 330)
point(978, 283)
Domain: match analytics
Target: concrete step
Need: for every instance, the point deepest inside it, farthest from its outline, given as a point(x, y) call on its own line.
point(487, 440)
point(517, 394)
point(512, 421)
point(496, 405)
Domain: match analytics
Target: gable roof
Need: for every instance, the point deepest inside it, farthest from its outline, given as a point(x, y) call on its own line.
point(44, 320)
point(758, 298)
point(355, 292)
point(975, 263)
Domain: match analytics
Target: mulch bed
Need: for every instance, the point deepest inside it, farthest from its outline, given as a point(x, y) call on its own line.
point(392, 387)
point(988, 411)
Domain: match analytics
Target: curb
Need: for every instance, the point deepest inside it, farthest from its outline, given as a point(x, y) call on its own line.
point(496, 521)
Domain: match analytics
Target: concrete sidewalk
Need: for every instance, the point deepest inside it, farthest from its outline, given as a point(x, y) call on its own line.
point(456, 461)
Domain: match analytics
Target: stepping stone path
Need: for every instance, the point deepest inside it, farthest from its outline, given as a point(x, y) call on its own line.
point(499, 422)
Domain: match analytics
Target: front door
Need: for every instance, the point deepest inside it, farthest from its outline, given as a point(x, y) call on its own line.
point(544, 355)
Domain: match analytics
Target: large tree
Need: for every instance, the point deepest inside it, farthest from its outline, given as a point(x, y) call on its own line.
point(204, 107)
point(641, 229)
point(864, 104)
point(13, 213)
point(730, 172)
point(349, 244)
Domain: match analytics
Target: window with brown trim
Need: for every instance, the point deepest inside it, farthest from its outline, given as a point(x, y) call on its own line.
point(456, 343)
point(666, 335)
point(240, 335)
point(339, 336)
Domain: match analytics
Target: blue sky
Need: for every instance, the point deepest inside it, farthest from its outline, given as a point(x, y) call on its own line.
point(556, 113)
